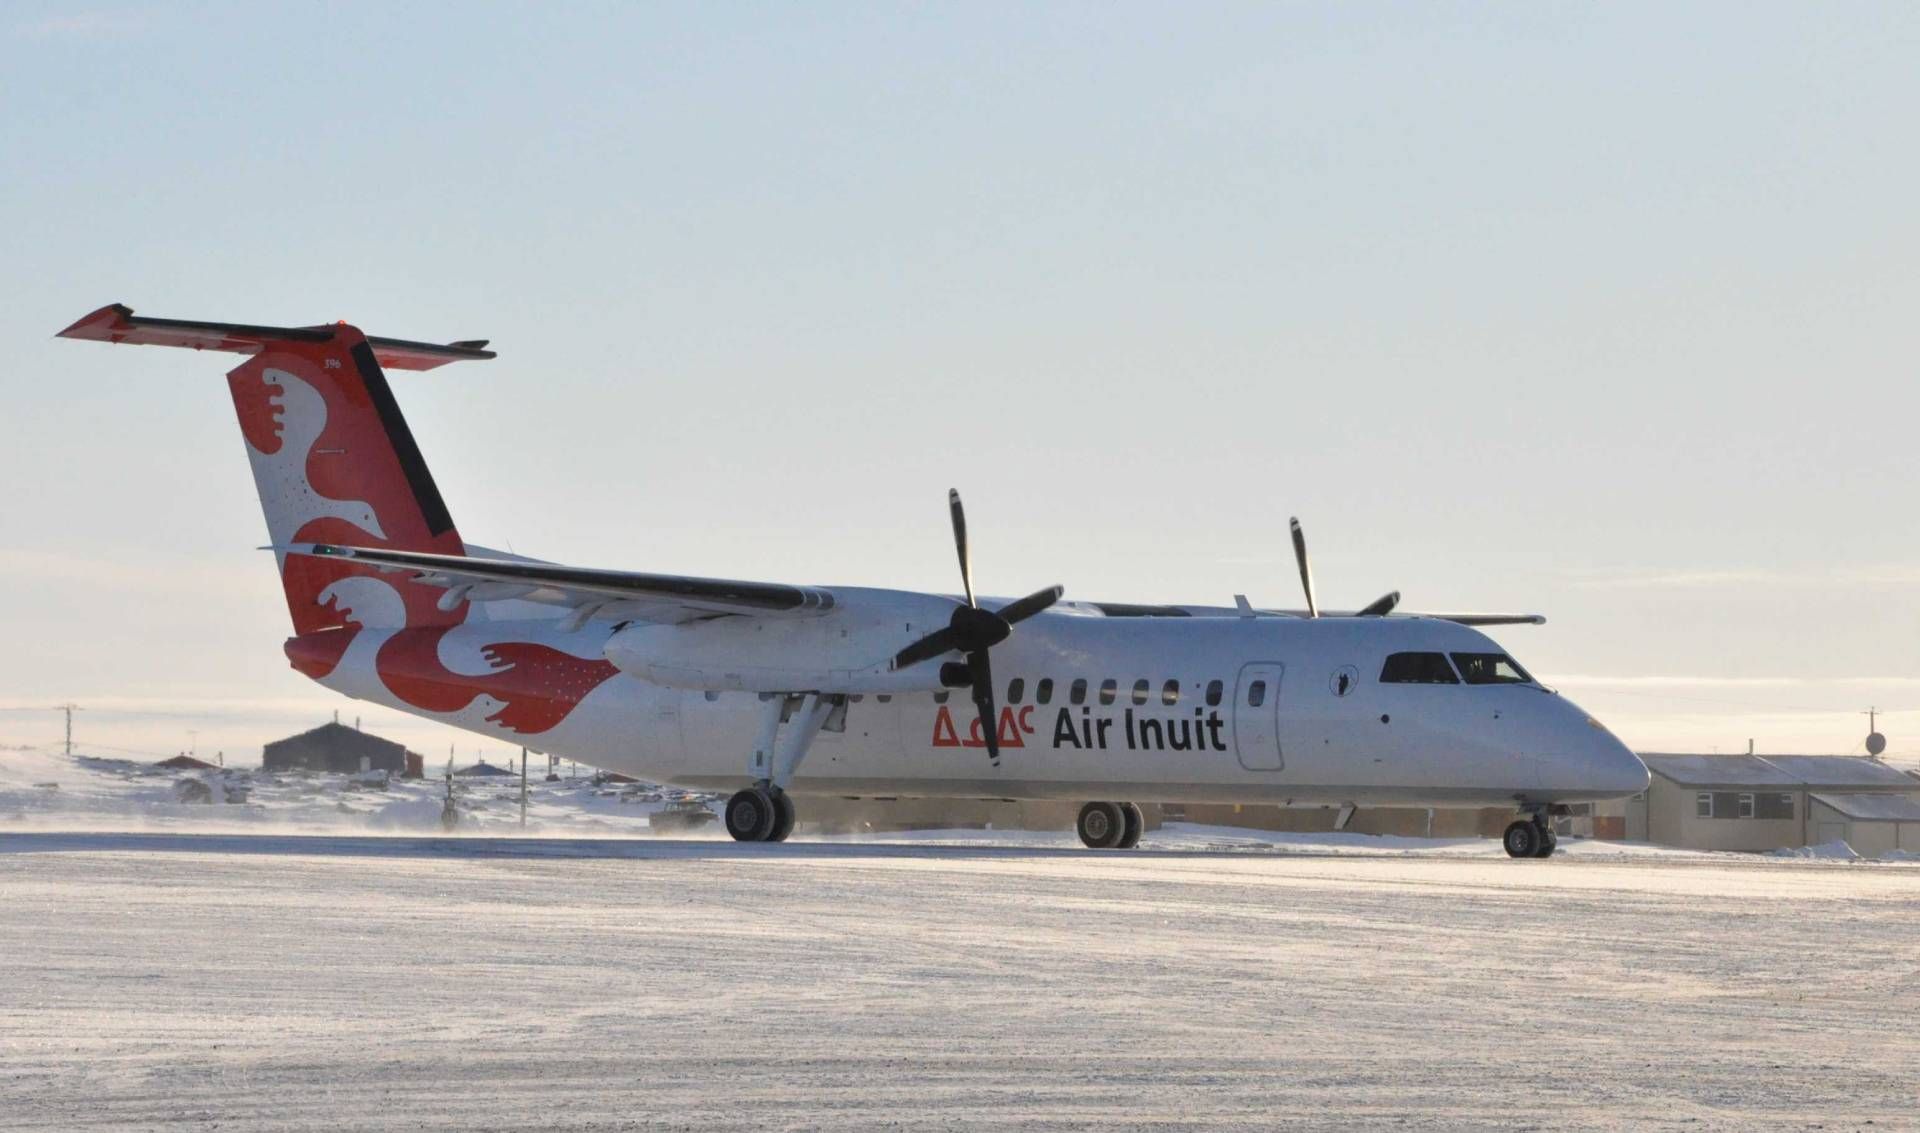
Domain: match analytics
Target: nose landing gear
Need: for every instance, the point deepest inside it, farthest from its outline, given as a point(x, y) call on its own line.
point(1530, 838)
point(1110, 826)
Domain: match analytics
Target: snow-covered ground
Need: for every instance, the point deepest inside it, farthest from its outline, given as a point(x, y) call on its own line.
point(41, 790)
point(320, 956)
point(276, 981)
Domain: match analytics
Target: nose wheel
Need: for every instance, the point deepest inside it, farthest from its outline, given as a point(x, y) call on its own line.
point(1530, 838)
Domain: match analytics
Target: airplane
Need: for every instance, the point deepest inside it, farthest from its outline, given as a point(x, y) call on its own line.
point(772, 691)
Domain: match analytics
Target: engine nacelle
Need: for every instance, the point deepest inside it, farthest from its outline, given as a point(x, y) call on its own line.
point(842, 650)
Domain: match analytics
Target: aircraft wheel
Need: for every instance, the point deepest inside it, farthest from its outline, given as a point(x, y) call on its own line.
point(783, 817)
point(1135, 824)
point(1549, 842)
point(751, 815)
point(1522, 839)
point(1101, 825)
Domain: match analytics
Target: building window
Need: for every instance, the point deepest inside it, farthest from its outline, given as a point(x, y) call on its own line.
point(1170, 693)
point(1140, 692)
point(1016, 689)
point(884, 698)
point(1746, 806)
point(1078, 693)
point(1214, 691)
point(1256, 694)
point(1703, 805)
point(1043, 692)
point(1109, 688)
point(1773, 806)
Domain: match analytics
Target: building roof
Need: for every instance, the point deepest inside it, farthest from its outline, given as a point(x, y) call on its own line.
point(186, 763)
point(1841, 771)
point(485, 768)
point(1873, 807)
point(335, 732)
point(1776, 771)
point(1718, 770)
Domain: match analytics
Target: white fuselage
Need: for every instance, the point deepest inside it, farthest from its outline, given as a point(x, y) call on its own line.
point(1326, 730)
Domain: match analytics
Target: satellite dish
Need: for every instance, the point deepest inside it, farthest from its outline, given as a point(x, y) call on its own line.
point(1876, 743)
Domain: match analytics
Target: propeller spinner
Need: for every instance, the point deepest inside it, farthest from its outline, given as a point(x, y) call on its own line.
point(974, 631)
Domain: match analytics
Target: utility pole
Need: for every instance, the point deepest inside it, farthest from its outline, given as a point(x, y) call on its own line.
point(193, 741)
point(523, 788)
point(69, 708)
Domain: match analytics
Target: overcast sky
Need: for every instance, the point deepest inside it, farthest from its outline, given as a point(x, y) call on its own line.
point(1608, 313)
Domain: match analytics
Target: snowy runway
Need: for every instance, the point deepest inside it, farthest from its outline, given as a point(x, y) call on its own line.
point(323, 982)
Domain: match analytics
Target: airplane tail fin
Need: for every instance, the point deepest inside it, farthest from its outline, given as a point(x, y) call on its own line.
point(333, 459)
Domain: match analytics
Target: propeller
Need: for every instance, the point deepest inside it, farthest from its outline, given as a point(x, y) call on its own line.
point(1378, 608)
point(974, 631)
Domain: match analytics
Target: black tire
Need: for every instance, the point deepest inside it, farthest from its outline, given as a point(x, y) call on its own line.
point(750, 815)
point(1522, 839)
point(783, 817)
point(1101, 825)
point(1135, 825)
point(1549, 842)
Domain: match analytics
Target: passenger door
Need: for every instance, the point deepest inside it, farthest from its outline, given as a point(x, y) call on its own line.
point(1256, 717)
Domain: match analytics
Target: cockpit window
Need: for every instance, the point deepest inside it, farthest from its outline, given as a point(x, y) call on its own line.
point(1417, 669)
point(1490, 669)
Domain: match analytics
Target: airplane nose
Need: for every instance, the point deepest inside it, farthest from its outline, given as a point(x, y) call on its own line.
point(1613, 767)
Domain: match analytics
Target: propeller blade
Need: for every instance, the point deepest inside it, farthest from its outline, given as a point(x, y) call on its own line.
point(1380, 607)
point(1306, 571)
point(960, 542)
point(926, 649)
point(982, 672)
point(1021, 609)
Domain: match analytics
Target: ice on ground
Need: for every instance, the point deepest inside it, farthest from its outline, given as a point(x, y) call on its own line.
point(1835, 851)
point(298, 983)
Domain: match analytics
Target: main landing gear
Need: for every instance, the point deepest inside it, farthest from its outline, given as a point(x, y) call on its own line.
point(1530, 838)
point(764, 812)
point(760, 814)
point(1110, 826)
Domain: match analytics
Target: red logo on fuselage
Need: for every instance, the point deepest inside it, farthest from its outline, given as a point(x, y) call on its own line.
point(1015, 726)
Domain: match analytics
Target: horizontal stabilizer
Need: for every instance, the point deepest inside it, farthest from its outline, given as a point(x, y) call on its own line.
point(116, 322)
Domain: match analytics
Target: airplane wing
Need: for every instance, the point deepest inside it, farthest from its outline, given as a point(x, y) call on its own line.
point(589, 592)
point(1489, 619)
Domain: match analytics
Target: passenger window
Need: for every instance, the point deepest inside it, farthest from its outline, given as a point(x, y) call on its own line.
point(1108, 689)
point(1170, 693)
point(1256, 694)
point(1417, 669)
point(1043, 692)
point(1214, 691)
point(884, 698)
point(1140, 692)
point(1490, 669)
point(1016, 688)
point(940, 697)
point(1078, 693)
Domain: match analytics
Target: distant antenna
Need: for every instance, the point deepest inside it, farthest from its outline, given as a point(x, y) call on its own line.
point(69, 709)
point(1876, 743)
